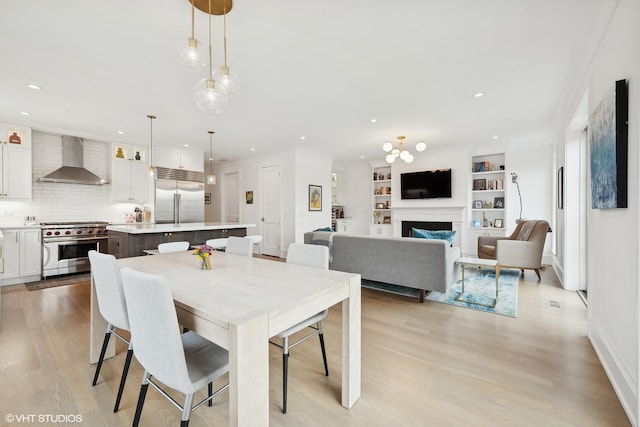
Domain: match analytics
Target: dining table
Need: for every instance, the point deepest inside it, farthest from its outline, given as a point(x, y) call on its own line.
point(239, 304)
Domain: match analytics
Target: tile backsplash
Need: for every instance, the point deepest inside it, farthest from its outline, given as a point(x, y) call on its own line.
point(66, 202)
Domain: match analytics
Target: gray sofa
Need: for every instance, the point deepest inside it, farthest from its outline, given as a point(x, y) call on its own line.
point(423, 264)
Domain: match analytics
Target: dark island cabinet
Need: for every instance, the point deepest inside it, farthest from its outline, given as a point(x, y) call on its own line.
point(123, 245)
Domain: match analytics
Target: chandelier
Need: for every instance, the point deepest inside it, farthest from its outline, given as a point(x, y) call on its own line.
point(398, 150)
point(211, 94)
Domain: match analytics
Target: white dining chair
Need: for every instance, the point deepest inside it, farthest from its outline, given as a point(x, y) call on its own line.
point(164, 248)
point(113, 308)
point(311, 256)
point(218, 243)
point(184, 362)
point(256, 240)
point(239, 246)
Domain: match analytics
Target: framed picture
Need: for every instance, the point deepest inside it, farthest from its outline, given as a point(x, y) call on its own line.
point(315, 197)
point(497, 223)
point(386, 220)
point(380, 206)
point(207, 198)
point(498, 203)
point(477, 204)
point(479, 184)
point(248, 197)
point(561, 187)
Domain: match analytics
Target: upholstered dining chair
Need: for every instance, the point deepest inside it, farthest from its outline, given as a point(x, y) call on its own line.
point(239, 246)
point(185, 362)
point(311, 256)
point(522, 249)
point(113, 308)
point(218, 243)
point(256, 239)
point(164, 248)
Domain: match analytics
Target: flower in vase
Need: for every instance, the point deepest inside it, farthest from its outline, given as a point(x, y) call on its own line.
point(203, 252)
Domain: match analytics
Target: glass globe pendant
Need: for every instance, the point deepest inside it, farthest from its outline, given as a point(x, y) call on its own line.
point(208, 97)
point(190, 56)
point(227, 80)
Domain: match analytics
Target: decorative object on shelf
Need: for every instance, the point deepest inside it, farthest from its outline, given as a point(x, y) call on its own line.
point(514, 180)
point(203, 253)
point(608, 149)
point(485, 221)
point(207, 198)
point(190, 56)
point(375, 176)
point(14, 138)
point(477, 204)
point(376, 215)
point(208, 96)
point(379, 205)
point(399, 151)
point(152, 169)
point(119, 153)
point(497, 223)
point(476, 223)
point(479, 184)
point(137, 156)
point(498, 202)
point(315, 197)
point(211, 178)
point(386, 220)
point(248, 197)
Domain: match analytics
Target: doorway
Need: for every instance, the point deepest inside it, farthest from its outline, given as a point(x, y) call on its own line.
point(230, 189)
point(270, 210)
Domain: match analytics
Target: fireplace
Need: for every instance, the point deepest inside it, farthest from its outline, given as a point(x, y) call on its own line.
point(424, 225)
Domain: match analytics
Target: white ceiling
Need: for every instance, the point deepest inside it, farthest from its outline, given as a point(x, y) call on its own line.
point(318, 69)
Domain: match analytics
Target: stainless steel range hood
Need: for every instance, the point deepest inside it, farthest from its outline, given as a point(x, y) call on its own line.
point(72, 170)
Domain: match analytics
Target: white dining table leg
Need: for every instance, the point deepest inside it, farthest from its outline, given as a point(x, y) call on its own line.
point(351, 345)
point(249, 371)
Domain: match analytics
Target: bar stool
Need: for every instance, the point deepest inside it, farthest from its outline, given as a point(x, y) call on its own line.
point(217, 244)
point(256, 239)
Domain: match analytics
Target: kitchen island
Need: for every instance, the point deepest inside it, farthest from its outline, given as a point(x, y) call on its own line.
point(127, 240)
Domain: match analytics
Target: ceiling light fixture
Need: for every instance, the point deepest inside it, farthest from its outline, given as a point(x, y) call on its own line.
point(399, 151)
point(25, 113)
point(34, 86)
point(228, 80)
point(120, 132)
point(211, 178)
point(152, 169)
point(190, 56)
point(478, 94)
point(208, 97)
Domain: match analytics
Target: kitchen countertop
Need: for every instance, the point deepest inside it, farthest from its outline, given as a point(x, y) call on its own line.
point(170, 228)
point(18, 225)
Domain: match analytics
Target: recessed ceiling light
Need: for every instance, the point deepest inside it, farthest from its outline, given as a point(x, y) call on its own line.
point(303, 137)
point(34, 87)
point(362, 157)
point(210, 158)
point(495, 137)
point(120, 132)
point(25, 113)
point(478, 94)
point(186, 145)
point(373, 120)
point(252, 149)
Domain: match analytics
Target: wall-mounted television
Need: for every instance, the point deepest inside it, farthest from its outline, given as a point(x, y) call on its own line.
point(426, 184)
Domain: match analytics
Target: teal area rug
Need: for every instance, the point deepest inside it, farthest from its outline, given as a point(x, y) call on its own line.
point(480, 292)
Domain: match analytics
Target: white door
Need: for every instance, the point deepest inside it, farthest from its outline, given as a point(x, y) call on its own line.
point(230, 197)
point(270, 210)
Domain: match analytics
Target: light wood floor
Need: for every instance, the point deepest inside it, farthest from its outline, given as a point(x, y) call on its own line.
point(422, 365)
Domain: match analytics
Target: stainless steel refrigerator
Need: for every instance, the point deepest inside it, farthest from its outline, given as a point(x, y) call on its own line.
point(179, 201)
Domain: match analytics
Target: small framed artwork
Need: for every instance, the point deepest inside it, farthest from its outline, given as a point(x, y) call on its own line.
point(498, 203)
point(380, 206)
point(477, 204)
point(386, 220)
point(497, 223)
point(315, 197)
point(479, 184)
point(207, 198)
point(248, 197)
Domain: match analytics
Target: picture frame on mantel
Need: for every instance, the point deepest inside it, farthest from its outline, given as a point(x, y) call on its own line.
point(315, 197)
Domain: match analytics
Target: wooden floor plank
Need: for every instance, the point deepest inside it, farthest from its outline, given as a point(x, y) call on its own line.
point(422, 364)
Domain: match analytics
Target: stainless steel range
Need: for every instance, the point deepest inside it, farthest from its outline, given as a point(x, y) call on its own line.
point(66, 245)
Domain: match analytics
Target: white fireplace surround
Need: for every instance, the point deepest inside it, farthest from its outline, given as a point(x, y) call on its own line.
point(453, 214)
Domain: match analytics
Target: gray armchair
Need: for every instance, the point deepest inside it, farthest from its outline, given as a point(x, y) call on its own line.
point(523, 249)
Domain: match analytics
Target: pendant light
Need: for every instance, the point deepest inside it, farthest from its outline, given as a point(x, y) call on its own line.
point(208, 97)
point(191, 57)
point(152, 169)
point(211, 178)
point(228, 80)
point(399, 150)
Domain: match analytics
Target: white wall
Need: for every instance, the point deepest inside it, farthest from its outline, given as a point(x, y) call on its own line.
point(355, 184)
point(612, 234)
point(311, 169)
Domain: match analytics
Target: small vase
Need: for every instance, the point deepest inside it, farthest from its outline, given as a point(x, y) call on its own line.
point(205, 264)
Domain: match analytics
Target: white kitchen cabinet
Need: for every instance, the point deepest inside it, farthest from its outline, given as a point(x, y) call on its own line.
point(380, 230)
point(342, 225)
point(129, 182)
point(11, 254)
point(475, 232)
point(30, 252)
point(15, 136)
point(15, 173)
point(175, 158)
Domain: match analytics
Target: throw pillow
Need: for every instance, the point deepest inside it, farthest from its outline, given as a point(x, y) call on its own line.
point(324, 229)
point(434, 234)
